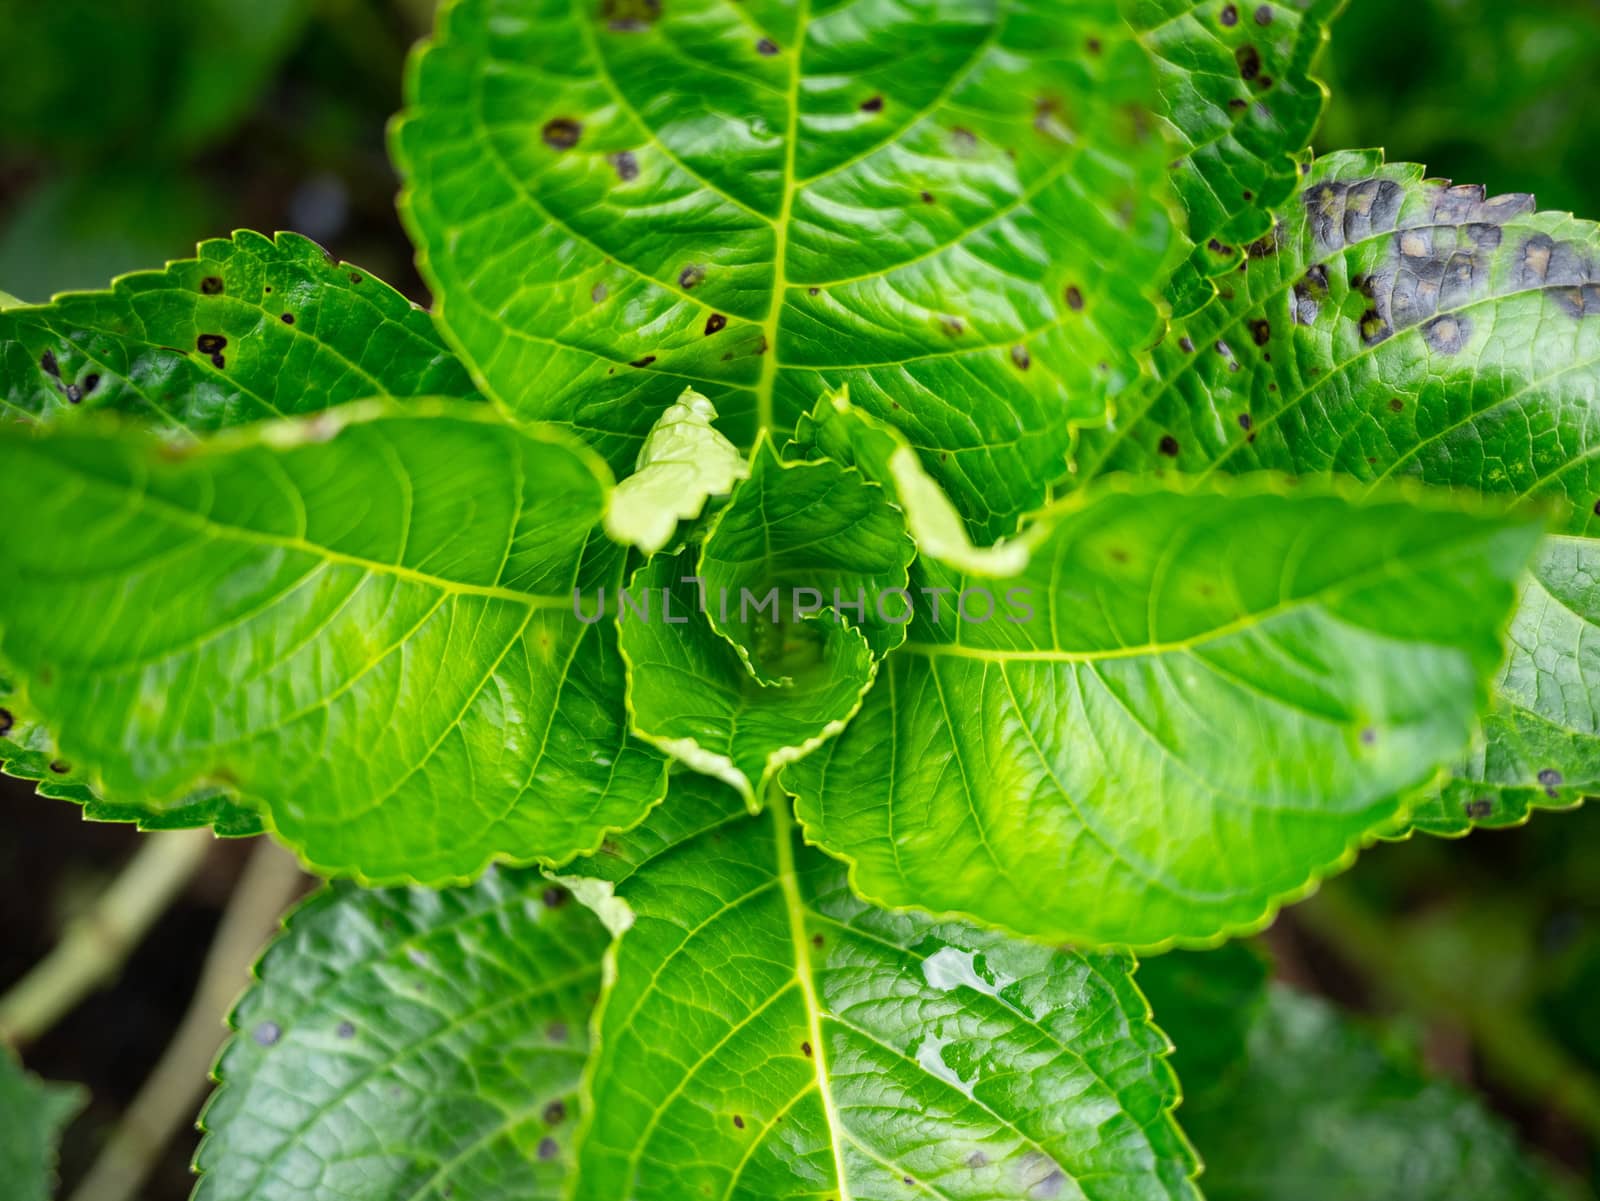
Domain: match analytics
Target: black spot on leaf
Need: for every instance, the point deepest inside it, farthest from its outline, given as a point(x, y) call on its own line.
point(1249, 60)
point(288, 318)
point(715, 324)
point(61, 767)
point(691, 277)
point(8, 722)
point(555, 1113)
point(1186, 344)
point(346, 1030)
point(644, 362)
point(1229, 15)
point(767, 47)
point(625, 165)
point(211, 285)
point(738, 1122)
point(1550, 777)
point(872, 104)
point(1261, 331)
point(561, 133)
point(805, 1049)
point(630, 16)
point(268, 1033)
point(555, 898)
point(1244, 421)
point(210, 343)
point(1396, 404)
point(1309, 294)
point(1447, 335)
point(548, 1149)
point(1020, 358)
point(90, 383)
point(1168, 446)
point(1481, 807)
point(1074, 298)
point(927, 198)
point(47, 364)
point(1374, 328)
point(1264, 15)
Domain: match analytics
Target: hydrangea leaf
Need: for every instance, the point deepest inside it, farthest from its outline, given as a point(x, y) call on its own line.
point(799, 537)
point(32, 1115)
point(764, 1034)
point(1241, 105)
point(251, 328)
point(958, 210)
point(1189, 706)
point(409, 1043)
point(1317, 1106)
point(684, 462)
point(839, 431)
point(361, 624)
point(690, 694)
point(1397, 326)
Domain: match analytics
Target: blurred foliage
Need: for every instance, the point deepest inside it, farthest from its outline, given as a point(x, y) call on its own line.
point(1481, 91)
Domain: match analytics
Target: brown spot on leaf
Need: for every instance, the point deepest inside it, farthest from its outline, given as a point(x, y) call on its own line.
point(738, 1122)
point(561, 133)
point(805, 1049)
point(1074, 298)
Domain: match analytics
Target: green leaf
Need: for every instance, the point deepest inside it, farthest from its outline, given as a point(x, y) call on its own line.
point(837, 430)
point(1318, 1108)
point(690, 694)
point(958, 210)
point(764, 1034)
point(801, 537)
point(1187, 708)
point(252, 328)
point(32, 1116)
point(684, 463)
point(407, 1043)
point(1241, 105)
point(1401, 327)
point(360, 624)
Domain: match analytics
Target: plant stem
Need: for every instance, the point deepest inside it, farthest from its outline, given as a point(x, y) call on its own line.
point(94, 946)
point(1515, 1051)
point(172, 1093)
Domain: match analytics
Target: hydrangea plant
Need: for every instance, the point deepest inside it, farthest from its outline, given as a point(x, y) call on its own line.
point(899, 507)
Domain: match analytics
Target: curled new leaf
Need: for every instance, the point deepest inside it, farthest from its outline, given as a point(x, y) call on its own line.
point(361, 624)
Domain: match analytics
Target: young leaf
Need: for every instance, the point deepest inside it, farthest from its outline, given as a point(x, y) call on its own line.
point(1382, 1130)
point(407, 1043)
point(691, 695)
point(252, 328)
point(1188, 707)
point(684, 462)
point(1241, 104)
point(1399, 326)
point(32, 1115)
point(800, 537)
point(957, 210)
point(361, 624)
point(764, 1034)
point(839, 431)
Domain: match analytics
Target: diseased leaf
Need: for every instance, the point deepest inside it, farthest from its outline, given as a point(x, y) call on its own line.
point(837, 430)
point(957, 210)
point(684, 462)
point(1399, 326)
point(1241, 105)
point(407, 1043)
point(1188, 707)
point(252, 328)
point(690, 694)
point(360, 623)
point(1317, 1108)
point(32, 1116)
point(764, 1034)
point(797, 538)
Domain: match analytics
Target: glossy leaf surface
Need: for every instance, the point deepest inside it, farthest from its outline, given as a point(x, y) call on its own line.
point(1185, 709)
point(767, 1035)
point(361, 624)
point(408, 1043)
point(1396, 326)
point(956, 209)
point(252, 328)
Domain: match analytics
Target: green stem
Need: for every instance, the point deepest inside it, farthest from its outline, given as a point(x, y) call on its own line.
point(1515, 1051)
point(94, 947)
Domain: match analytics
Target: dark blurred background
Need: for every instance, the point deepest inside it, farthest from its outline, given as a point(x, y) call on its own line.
point(130, 129)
